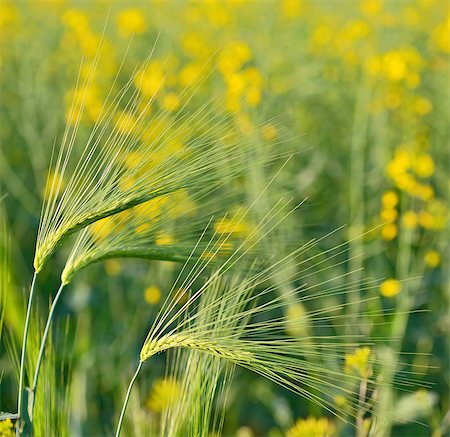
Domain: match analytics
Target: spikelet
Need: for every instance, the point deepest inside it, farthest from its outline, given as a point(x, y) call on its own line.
point(129, 159)
point(239, 318)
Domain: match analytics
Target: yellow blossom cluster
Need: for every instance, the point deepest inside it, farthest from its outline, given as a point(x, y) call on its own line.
point(243, 81)
point(164, 393)
point(358, 362)
point(86, 101)
point(312, 427)
point(410, 172)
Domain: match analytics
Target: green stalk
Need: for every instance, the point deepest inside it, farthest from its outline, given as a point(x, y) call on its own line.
point(23, 352)
point(399, 325)
point(44, 339)
point(356, 194)
point(127, 398)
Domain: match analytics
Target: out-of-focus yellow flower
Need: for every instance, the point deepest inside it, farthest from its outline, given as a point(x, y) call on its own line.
point(190, 74)
point(389, 199)
point(394, 66)
point(297, 320)
point(125, 122)
point(171, 102)
point(435, 216)
point(412, 80)
point(233, 57)
point(409, 220)
point(113, 267)
point(358, 362)
point(432, 258)
point(422, 106)
point(411, 15)
point(389, 231)
point(102, 228)
point(164, 240)
point(340, 401)
point(55, 183)
point(152, 295)
point(236, 226)
point(269, 132)
point(312, 427)
point(424, 192)
point(388, 214)
point(131, 21)
point(371, 8)
point(321, 36)
point(195, 44)
point(390, 288)
point(440, 36)
point(7, 428)
point(373, 65)
point(164, 393)
point(423, 165)
point(9, 15)
point(292, 8)
point(76, 20)
point(151, 80)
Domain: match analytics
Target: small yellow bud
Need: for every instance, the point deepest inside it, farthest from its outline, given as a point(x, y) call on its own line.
point(390, 288)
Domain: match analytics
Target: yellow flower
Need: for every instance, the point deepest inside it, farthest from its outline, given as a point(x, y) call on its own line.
point(409, 220)
point(388, 214)
point(389, 199)
point(297, 320)
point(7, 428)
point(292, 8)
point(312, 427)
point(55, 183)
point(76, 20)
point(440, 36)
point(131, 21)
point(189, 74)
point(371, 7)
point(151, 80)
point(102, 228)
point(423, 165)
point(389, 231)
point(171, 102)
point(322, 35)
point(152, 295)
point(340, 401)
point(432, 258)
point(231, 226)
point(394, 66)
point(113, 267)
point(422, 106)
point(253, 96)
point(164, 240)
point(164, 393)
point(358, 362)
point(269, 132)
point(126, 122)
point(390, 288)
point(424, 192)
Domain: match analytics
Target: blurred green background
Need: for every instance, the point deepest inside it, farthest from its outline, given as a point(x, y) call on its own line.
point(360, 87)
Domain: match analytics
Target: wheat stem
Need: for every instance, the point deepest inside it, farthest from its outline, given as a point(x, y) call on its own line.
point(127, 398)
point(24, 347)
point(44, 339)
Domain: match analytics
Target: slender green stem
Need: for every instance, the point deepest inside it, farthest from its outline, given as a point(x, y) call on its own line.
point(44, 338)
point(24, 347)
point(127, 398)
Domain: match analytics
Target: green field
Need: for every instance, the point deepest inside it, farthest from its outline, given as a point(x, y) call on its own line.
point(245, 200)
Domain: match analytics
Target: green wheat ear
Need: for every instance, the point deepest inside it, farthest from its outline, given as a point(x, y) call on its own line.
point(231, 318)
point(116, 170)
